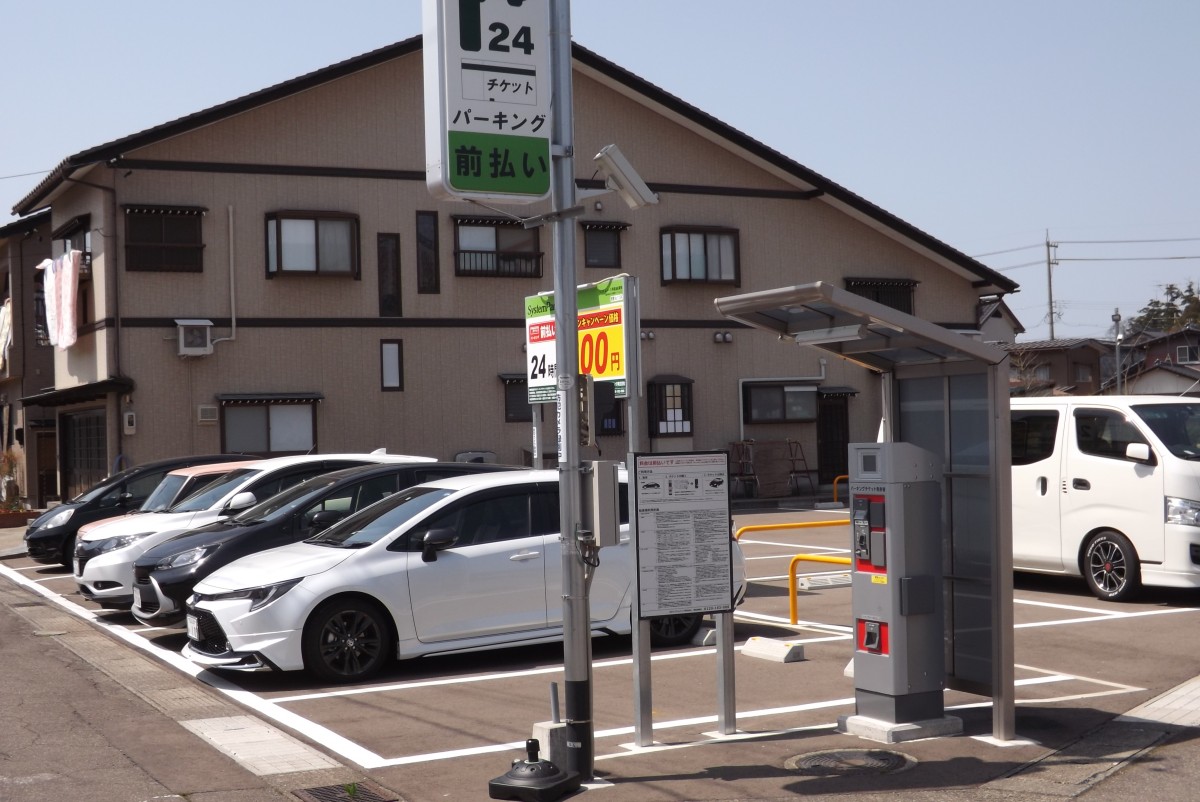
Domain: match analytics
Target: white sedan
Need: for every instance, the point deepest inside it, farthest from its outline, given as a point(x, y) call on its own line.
point(465, 563)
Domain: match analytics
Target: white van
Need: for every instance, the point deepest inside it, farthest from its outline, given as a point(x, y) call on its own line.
point(1108, 487)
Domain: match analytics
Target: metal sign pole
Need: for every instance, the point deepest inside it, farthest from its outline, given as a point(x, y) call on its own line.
point(643, 720)
point(577, 651)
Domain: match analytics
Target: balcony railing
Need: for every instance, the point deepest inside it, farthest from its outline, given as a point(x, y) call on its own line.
point(498, 263)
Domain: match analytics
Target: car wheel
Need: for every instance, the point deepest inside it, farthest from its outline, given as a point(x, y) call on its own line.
point(1111, 567)
point(346, 640)
point(674, 630)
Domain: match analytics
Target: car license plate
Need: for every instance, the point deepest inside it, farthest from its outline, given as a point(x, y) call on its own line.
point(137, 596)
point(193, 627)
point(78, 572)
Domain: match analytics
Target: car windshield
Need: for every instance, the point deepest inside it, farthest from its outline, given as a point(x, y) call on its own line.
point(1176, 425)
point(96, 491)
point(164, 494)
point(380, 519)
point(207, 496)
point(284, 502)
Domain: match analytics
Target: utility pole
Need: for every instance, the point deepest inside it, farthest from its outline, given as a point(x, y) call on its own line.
point(1050, 263)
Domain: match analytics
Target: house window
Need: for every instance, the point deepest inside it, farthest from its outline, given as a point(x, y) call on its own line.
point(1083, 372)
point(388, 252)
point(496, 247)
point(670, 400)
point(1042, 372)
point(602, 244)
point(76, 235)
point(778, 403)
point(610, 410)
point(517, 408)
point(270, 425)
point(894, 292)
point(391, 364)
point(700, 254)
point(164, 238)
point(312, 243)
point(428, 270)
point(1187, 354)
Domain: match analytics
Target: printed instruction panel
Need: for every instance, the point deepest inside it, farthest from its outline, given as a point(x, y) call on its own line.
point(684, 548)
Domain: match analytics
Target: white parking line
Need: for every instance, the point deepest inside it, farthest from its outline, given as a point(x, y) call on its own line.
point(349, 750)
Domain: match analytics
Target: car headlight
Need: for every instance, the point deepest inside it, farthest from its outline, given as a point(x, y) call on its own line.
point(1183, 511)
point(189, 557)
point(57, 519)
point(112, 543)
point(259, 597)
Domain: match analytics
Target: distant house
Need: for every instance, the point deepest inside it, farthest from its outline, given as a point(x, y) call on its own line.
point(997, 323)
point(26, 360)
point(1060, 367)
point(1167, 364)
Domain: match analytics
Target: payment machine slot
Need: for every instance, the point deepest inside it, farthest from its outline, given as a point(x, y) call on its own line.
point(899, 662)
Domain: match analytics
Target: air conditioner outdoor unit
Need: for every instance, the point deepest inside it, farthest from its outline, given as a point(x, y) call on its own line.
point(195, 337)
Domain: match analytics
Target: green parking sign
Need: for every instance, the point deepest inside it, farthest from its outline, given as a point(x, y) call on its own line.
point(487, 99)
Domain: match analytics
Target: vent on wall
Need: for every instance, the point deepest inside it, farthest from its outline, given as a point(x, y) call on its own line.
point(195, 337)
point(207, 413)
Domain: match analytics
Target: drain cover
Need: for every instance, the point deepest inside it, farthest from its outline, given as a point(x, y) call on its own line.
point(850, 762)
point(361, 791)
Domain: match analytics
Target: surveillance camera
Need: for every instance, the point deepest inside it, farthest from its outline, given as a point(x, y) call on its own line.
point(620, 177)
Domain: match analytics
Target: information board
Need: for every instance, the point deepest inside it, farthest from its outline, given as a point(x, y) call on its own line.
point(684, 546)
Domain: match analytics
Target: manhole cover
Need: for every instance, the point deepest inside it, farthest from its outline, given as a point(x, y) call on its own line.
point(850, 762)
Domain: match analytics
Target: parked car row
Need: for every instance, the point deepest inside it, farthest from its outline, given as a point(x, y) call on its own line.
point(340, 563)
point(459, 564)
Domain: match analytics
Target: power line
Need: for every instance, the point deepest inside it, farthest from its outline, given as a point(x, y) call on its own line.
point(23, 175)
point(1124, 258)
point(1009, 250)
point(1014, 267)
point(1122, 241)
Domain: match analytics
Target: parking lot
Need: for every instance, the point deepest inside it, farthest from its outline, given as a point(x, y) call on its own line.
point(436, 726)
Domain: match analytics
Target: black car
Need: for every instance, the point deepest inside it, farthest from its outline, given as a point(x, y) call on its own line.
point(50, 537)
point(165, 575)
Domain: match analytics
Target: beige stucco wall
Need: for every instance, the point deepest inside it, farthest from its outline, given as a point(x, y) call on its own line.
point(453, 400)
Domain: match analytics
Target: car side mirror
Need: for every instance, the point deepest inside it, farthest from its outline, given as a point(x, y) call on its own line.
point(1139, 452)
point(325, 519)
point(435, 540)
point(241, 501)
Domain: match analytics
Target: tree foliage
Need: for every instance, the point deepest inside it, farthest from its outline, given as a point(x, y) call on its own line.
point(1177, 308)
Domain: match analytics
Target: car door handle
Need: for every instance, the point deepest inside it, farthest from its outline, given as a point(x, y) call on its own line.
point(1081, 484)
point(1042, 485)
point(521, 556)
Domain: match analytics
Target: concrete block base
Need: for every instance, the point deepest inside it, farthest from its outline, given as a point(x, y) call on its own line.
point(552, 741)
point(889, 733)
point(778, 651)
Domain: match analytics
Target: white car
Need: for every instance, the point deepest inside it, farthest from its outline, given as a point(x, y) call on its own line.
point(104, 557)
point(465, 563)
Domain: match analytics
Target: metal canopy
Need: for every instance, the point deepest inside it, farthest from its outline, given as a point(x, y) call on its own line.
point(851, 326)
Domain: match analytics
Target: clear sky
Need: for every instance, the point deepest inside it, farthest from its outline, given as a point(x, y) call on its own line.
point(985, 124)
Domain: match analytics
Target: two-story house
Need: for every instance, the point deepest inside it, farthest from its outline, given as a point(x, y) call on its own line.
point(271, 275)
point(26, 360)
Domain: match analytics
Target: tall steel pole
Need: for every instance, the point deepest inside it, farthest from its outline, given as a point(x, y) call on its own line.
point(577, 643)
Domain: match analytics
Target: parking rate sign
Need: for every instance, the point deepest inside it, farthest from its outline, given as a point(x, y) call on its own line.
point(487, 99)
point(601, 332)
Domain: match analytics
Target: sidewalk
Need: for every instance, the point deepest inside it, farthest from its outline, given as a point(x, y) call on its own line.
point(84, 721)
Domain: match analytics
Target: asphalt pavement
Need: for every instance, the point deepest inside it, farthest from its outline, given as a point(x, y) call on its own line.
point(85, 717)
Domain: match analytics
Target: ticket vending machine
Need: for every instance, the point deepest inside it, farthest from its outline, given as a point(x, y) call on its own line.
point(896, 578)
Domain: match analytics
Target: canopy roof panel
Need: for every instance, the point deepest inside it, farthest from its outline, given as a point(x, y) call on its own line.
point(853, 327)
